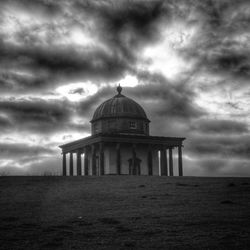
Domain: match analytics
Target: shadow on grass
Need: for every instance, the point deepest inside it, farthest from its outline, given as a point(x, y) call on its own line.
point(122, 229)
point(109, 221)
point(9, 219)
point(227, 202)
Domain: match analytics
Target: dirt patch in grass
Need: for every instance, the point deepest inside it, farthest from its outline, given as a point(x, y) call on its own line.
point(141, 186)
point(9, 219)
point(122, 229)
point(227, 202)
point(109, 221)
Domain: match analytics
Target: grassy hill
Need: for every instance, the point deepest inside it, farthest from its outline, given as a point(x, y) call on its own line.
point(124, 212)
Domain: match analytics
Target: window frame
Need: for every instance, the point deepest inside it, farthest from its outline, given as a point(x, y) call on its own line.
point(132, 125)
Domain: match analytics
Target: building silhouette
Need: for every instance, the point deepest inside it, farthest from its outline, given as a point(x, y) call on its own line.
point(120, 144)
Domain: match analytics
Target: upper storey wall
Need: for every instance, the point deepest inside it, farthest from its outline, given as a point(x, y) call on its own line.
point(121, 125)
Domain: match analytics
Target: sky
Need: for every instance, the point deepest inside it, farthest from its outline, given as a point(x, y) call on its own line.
point(186, 62)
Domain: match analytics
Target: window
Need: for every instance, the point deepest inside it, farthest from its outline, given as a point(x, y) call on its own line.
point(132, 125)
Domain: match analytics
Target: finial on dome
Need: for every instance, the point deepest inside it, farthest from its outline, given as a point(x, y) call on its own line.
point(119, 89)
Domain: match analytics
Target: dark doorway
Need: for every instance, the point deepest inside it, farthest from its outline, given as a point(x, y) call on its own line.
point(136, 169)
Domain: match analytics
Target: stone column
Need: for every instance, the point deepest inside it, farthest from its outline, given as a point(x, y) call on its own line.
point(118, 158)
point(164, 166)
point(93, 154)
point(71, 166)
point(150, 161)
point(133, 159)
point(171, 170)
point(180, 160)
point(86, 161)
point(64, 165)
point(101, 159)
point(79, 163)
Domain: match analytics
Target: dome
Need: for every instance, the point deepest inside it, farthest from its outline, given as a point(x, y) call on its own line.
point(120, 115)
point(119, 106)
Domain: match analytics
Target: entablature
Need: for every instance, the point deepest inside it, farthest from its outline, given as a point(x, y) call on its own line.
point(167, 142)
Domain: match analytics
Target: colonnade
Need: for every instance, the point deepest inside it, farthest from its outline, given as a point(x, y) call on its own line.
point(166, 161)
point(90, 154)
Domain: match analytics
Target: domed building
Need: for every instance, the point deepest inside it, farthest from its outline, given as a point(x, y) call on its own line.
point(120, 144)
point(120, 115)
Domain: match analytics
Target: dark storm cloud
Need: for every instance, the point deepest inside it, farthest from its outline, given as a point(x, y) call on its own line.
point(47, 7)
point(4, 123)
point(129, 23)
point(21, 83)
point(173, 100)
point(220, 146)
point(222, 44)
point(64, 62)
point(21, 149)
point(219, 126)
point(37, 115)
point(40, 116)
point(231, 63)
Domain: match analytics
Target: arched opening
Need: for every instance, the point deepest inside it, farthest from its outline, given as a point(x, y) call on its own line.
point(134, 169)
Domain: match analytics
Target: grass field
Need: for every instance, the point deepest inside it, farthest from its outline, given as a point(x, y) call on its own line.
point(124, 212)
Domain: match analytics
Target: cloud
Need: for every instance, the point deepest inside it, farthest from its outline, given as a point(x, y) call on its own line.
point(228, 62)
point(222, 146)
point(79, 91)
point(9, 170)
point(36, 115)
point(213, 166)
point(86, 107)
point(215, 126)
point(4, 123)
point(20, 149)
point(18, 158)
point(221, 43)
point(23, 83)
point(166, 99)
point(63, 62)
point(129, 23)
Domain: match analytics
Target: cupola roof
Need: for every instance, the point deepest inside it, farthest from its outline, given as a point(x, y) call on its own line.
point(119, 106)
